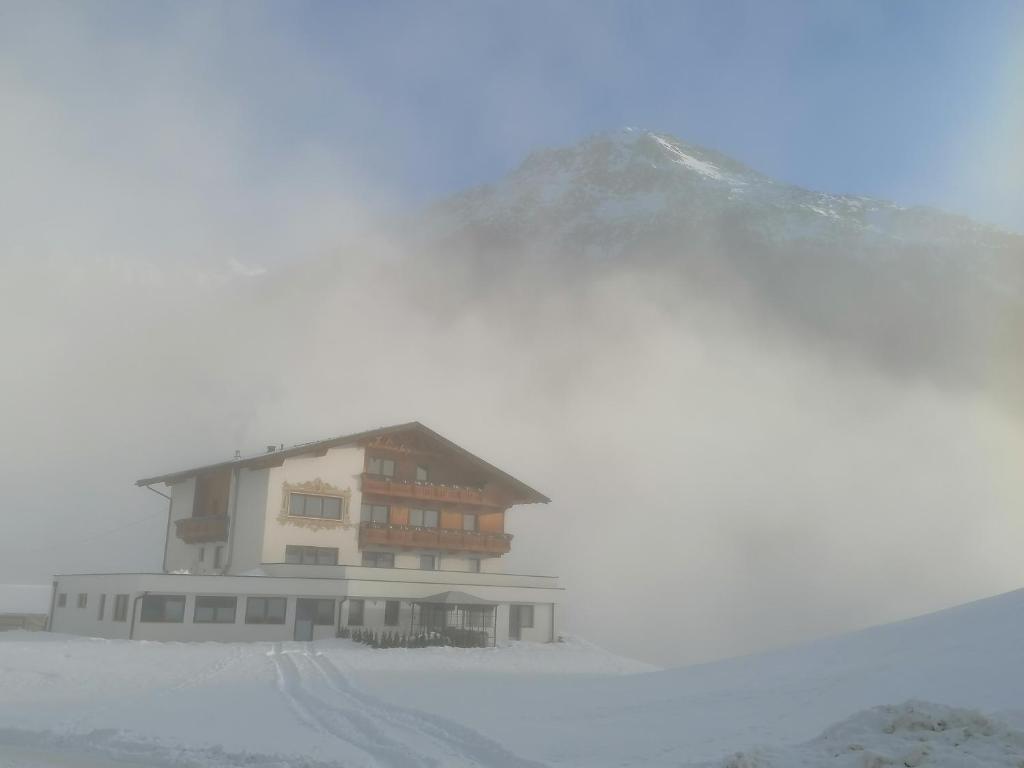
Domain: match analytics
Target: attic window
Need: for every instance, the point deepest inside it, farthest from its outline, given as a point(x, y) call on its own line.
point(375, 465)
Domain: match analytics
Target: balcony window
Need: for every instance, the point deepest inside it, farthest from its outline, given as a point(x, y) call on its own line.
point(163, 608)
point(306, 505)
point(422, 474)
point(311, 555)
point(265, 610)
point(468, 522)
point(428, 562)
point(380, 467)
point(374, 513)
point(214, 610)
point(423, 518)
point(379, 559)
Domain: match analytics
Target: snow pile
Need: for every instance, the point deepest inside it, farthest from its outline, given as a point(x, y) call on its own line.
point(915, 734)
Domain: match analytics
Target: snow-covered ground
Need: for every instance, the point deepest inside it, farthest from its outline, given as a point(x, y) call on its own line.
point(841, 702)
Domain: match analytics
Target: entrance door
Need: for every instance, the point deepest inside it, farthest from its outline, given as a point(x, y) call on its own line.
point(305, 613)
point(514, 625)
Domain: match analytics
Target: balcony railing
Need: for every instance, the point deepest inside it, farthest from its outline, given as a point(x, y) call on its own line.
point(200, 530)
point(453, 494)
point(444, 539)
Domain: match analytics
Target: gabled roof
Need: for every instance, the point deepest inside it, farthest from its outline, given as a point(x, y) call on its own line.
point(275, 458)
point(454, 598)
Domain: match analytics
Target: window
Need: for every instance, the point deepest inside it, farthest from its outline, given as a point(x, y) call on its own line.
point(374, 513)
point(99, 610)
point(391, 613)
point(423, 518)
point(526, 616)
point(304, 505)
point(324, 615)
point(214, 610)
point(474, 565)
point(355, 613)
point(83, 599)
point(163, 608)
point(202, 554)
point(468, 522)
point(379, 559)
point(382, 467)
point(428, 562)
point(265, 610)
point(311, 555)
point(62, 599)
point(120, 607)
point(218, 557)
point(422, 474)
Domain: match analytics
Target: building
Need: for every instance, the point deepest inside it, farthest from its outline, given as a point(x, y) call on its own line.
point(394, 529)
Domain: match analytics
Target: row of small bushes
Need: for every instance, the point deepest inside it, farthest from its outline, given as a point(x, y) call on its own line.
point(458, 638)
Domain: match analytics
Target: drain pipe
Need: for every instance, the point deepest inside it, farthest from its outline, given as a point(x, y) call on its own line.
point(167, 535)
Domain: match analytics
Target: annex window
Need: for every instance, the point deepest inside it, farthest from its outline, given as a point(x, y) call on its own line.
point(99, 609)
point(428, 562)
point(62, 599)
point(391, 613)
point(526, 616)
point(305, 505)
point(422, 474)
point(163, 608)
point(374, 513)
point(468, 522)
point(474, 565)
point(423, 518)
point(215, 610)
point(202, 554)
point(265, 610)
point(83, 599)
point(379, 559)
point(120, 607)
point(375, 465)
point(324, 614)
point(355, 613)
point(311, 555)
point(218, 557)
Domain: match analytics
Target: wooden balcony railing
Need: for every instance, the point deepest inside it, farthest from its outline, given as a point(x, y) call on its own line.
point(200, 530)
point(452, 494)
point(444, 539)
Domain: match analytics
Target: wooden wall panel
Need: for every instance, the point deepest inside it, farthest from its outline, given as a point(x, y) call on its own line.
point(451, 518)
point(491, 522)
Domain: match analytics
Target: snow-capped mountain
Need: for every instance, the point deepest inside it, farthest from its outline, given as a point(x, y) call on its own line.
point(917, 291)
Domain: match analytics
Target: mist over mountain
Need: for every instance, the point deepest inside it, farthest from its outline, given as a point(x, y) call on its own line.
point(915, 291)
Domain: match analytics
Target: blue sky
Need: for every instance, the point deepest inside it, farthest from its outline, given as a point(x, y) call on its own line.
point(918, 101)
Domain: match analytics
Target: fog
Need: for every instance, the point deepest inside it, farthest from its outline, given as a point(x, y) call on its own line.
point(719, 486)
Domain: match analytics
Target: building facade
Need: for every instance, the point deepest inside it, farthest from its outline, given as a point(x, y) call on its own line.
point(395, 530)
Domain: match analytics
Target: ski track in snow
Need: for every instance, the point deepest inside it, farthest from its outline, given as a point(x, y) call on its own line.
point(323, 698)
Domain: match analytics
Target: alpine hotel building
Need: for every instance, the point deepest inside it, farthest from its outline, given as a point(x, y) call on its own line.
point(395, 529)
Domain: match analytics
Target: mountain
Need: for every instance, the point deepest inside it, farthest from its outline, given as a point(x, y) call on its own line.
point(917, 291)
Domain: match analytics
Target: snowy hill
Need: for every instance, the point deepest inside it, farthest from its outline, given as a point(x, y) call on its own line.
point(72, 701)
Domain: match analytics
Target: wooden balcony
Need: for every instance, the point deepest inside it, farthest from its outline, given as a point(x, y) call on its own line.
point(436, 492)
point(200, 530)
point(443, 539)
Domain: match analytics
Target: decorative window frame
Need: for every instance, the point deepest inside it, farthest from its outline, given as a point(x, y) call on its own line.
point(315, 487)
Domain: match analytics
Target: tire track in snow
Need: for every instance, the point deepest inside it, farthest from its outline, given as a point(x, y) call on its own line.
point(469, 744)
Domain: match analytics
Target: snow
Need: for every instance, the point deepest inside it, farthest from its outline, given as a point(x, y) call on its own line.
point(941, 690)
point(703, 167)
point(25, 598)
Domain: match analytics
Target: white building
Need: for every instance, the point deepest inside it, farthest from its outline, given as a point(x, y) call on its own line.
point(392, 530)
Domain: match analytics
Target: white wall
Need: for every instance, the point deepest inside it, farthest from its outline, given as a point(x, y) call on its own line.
point(248, 519)
point(181, 556)
point(339, 467)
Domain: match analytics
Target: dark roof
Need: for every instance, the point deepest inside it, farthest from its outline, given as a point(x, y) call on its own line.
point(454, 598)
point(273, 458)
